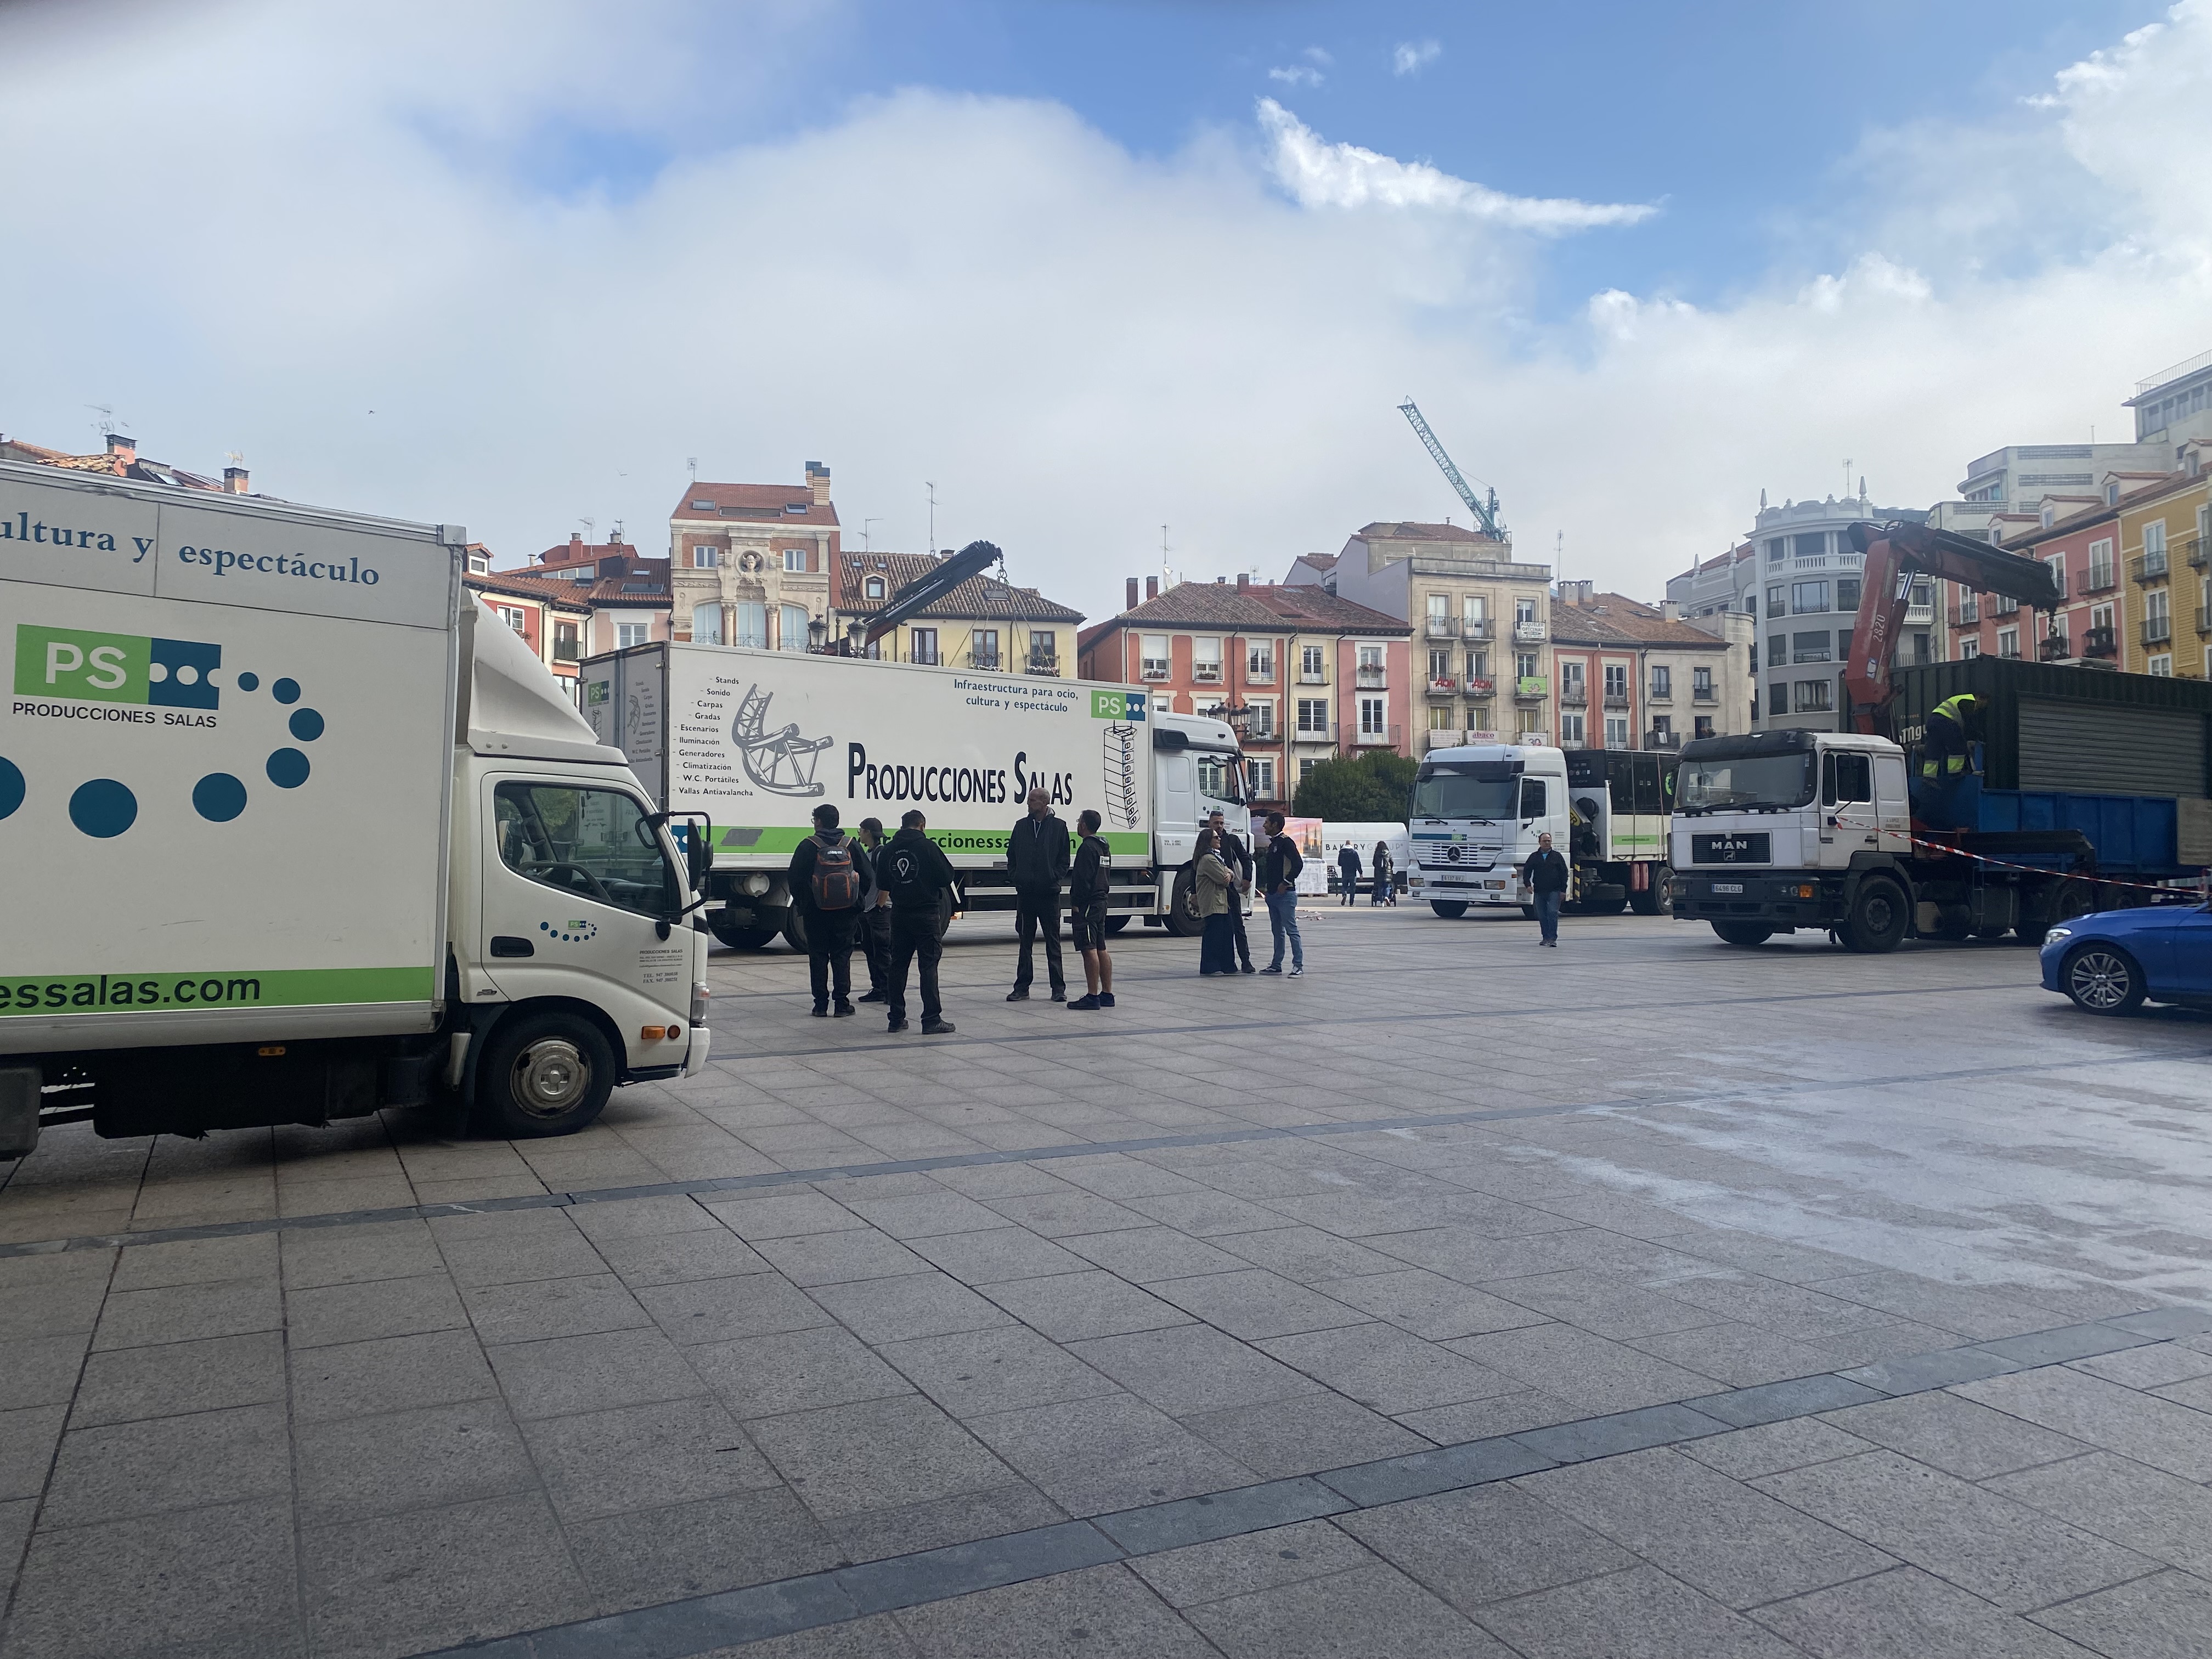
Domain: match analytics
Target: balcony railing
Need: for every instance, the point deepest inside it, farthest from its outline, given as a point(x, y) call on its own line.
point(1442, 627)
point(2099, 642)
point(1369, 680)
point(2058, 579)
point(1043, 663)
point(1660, 694)
point(1663, 740)
point(1703, 694)
point(1476, 628)
point(2147, 567)
point(1260, 673)
point(1536, 738)
point(1205, 673)
point(1151, 671)
point(1528, 633)
point(1919, 613)
point(2157, 630)
point(1313, 734)
point(2204, 618)
point(1966, 615)
point(1379, 737)
point(986, 660)
point(1443, 687)
point(1480, 686)
point(2010, 653)
point(1573, 694)
point(2054, 647)
point(565, 651)
point(2193, 551)
point(1616, 700)
point(1474, 735)
point(2004, 607)
point(1313, 676)
point(1445, 739)
point(2100, 580)
point(925, 655)
point(1532, 687)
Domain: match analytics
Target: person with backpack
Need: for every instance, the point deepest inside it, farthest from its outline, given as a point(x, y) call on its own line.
point(1348, 873)
point(831, 887)
point(1036, 860)
point(1279, 865)
point(1089, 883)
point(915, 874)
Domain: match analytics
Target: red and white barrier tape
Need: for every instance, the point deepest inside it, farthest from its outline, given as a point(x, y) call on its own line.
point(1945, 846)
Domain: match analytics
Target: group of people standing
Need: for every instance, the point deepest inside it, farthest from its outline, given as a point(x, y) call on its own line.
point(1347, 874)
point(1223, 872)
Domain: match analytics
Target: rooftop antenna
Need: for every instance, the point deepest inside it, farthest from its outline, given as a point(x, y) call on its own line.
point(1559, 553)
point(235, 457)
point(616, 536)
point(589, 526)
point(106, 423)
point(1167, 576)
point(865, 523)
point(692, 461)
point(1847, 476)
point(932, 515)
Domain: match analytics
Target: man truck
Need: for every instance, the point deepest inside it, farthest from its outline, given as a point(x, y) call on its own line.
point(755, 739)
point(291, 829)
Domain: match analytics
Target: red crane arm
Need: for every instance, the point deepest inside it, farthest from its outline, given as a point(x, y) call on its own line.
point(1895, 553)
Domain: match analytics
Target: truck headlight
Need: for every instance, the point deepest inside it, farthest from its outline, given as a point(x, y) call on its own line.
point(2058, 933)
point(700, 992)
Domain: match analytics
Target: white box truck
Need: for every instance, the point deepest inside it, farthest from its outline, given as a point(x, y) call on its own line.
point(755, 740)
point(292, 829)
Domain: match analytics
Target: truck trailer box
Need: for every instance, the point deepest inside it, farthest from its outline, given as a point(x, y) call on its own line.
point(2084, 730)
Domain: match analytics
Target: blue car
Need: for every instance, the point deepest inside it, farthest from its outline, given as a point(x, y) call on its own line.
point(2112, 961)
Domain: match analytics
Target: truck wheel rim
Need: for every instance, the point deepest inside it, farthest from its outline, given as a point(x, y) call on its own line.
point(1881, 913)
point(550, 1077)
point(2099, 980)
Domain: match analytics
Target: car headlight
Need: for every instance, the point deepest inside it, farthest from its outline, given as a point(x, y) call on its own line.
point(2058, 933)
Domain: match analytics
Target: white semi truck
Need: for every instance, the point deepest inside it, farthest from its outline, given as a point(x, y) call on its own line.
point(1477, 810)
point(291, 829)
point(755, 740)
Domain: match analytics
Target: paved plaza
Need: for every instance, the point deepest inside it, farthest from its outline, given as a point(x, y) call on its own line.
point(1644, 1298)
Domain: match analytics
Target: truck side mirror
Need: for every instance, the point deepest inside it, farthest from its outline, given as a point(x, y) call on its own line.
point(698, 855)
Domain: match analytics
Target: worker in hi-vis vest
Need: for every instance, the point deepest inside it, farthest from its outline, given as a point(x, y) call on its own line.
point(1951, 723)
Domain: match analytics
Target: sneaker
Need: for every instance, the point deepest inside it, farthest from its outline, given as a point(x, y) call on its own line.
point(845, 1011)
point(896, 1025)
point(1276, 968)
point(937, 1028)
point(1020, 993)
point(1295, 971)
point(820, 1011)
point(1085, 1003)
point(1105, 998)
point(872, 996)
point(1060, 993)
point(1249, 968)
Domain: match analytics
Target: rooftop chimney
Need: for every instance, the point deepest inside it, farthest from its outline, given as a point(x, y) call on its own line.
point(1130, 604)
point(1244, 581)
point(575, 539)
point(126, 448)
point(233, 481)
point(1151, 588)
point(1671, 610)
point(818, 479)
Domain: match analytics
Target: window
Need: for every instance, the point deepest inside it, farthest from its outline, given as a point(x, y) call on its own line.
point(872, 588)
point(1847, 592)
point(1923, 595)
point(922, 645)
point(1755, 656)
point(1570, 730)
point(1374, 720)
point(1810, 647)
point(1474, 611)
point(1570, 677)
point(2154, 537)
point(1526, 665)
point(1478, 665)
point(1310, 666)
point(565, 643)
point(1205, 660)
point(1702, 726)
point(1616, 679)
point(632, 633)
point(1701, 682)
point(2008, 641)
point(790, 627)
point(1263, 717)
point(705, 555)
point(1662, 680)
point(1663, 727)
point(1777, 549)
point(1260, 769)
point(1812, 697)
point(794, 558)
point(2162, 666)
point(2100, 565)
point(702, 507)
point(1811, 546)
point(752, 625)
point(2158, 617)
point(1532, 794)
point(1440, 613)
point(515, 616)
point(2101, 616)
point(1524, 610)
point(585, 844)
point(1152, 652)
point(1774, 605)
point(1616, 730)
point(1441, 717)
point(1845, 777)
point(1043, 647)
point(1808, 596)
point(1259, 660)
point(1844, 644)
point(1313, 716)
point(1305, 769)
point(707, 624)
point(1440, 666)
point(1370, 658)
point(983, 648)
point(479, 564)
point(1969, 648)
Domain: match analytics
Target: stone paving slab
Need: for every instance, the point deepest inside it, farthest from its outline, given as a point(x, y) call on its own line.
point(1088, 1309)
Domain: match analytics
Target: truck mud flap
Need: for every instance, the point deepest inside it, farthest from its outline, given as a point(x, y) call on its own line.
point(19, 1111)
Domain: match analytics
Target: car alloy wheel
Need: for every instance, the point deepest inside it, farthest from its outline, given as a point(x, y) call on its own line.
point(2101, 981)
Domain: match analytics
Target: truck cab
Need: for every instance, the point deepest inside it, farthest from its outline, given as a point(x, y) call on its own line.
point(1476, 813)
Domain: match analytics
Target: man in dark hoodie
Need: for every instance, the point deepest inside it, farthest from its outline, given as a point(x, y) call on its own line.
point(1089, 883)
point(1036, 860)
point(916, 872)
point(832, 888)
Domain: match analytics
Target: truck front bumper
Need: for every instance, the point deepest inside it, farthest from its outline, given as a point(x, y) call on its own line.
point(1497, 886)
point(1787, 899)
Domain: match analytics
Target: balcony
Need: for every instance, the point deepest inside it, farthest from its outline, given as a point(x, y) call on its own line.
point(1922, 614)
point(1532, 688)
point(1313, 676)
point(1966, 615)
point(926, 657)
point(984, 659)
point(1261, 673)
point(1477, 627)
point(2192, 551)
point(1446, 739)
point(1535, 737)
point(1042, 664)
point(1442, 627)
point(1443, 687)
point(1480, 686)
point(2009, 653)
point(2004, 607)
point(1313, 734)
point(564, 651)
point(2099, 642)
point(2100, 580)
point(1205, 673)
point(2058, 579)
point(1703, 694)
point(1616, 700)
point(1663, 740)
point(1369, 679)
point(1660, 694)
point(1374, 737)
point(1474, 735)
point(1154, 669)
point(2157, 630)
point(2204, 618)
point(2147, 567)
point(1528, 633)
point(1573, 694)
point(2054, 647)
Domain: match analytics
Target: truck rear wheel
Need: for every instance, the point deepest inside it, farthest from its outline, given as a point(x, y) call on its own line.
point(1449, 909)
point(1180, 923)
point(1743, 933)
point(544, 1073)
point(1876, 921)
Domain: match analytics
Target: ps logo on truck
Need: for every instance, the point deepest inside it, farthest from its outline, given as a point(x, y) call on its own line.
point(64, 673)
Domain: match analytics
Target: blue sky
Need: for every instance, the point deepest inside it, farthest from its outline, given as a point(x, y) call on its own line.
point(509, 263)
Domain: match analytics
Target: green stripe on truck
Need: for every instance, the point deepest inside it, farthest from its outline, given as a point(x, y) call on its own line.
point(229, 987)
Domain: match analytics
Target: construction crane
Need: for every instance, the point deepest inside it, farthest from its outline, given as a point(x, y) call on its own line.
point(1485, 513)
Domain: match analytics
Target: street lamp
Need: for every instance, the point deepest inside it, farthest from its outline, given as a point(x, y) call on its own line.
point(817, 635)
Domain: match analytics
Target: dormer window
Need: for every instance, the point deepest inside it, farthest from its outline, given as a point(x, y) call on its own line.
point(702, 507)
point(2113, 495)
point(797, 509)
point(479, 565)
point(873, 587)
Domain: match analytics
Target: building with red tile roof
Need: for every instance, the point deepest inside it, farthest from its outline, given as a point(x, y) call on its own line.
point(983, 623)
point(751, 563)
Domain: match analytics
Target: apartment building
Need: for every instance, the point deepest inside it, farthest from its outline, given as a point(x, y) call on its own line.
point(625, 595)
point(983, 623)
point(752, 564)
point(2079, 546)
point(1302, 673)
point(2164, 532)
point(1479, 620)
point(1628, 675)
point(551, 614)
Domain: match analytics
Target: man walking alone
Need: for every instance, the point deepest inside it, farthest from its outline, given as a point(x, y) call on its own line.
point(1036, 860)
point(916, 872)
point(1279, 865)
point(1347, 873)
point(1089, 883)
point(829, 889)
point(1544, 875)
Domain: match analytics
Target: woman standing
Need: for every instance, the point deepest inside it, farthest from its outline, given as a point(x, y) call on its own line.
point(1384, 890)
point(1217, 953)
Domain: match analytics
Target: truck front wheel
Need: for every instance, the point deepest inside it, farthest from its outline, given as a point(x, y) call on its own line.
point(544, 1073)
point(1876, 921)
point(1743, 933)
point(1449, 909)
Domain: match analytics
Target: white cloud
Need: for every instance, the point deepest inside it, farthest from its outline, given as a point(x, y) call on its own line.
point(1410, 56)
point(1075, 342)
point(1317, 55)
point(1297, 75)
point(1321, 175)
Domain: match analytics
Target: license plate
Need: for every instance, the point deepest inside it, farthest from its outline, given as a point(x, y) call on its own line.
point(1728, 887)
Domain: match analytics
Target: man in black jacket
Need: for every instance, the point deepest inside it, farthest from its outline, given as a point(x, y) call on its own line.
point(1280, 862)
point(915, 873)
point(1089, 884)
point(1544, 875)
point(1231, 849)
point(1347, 871)
point(875, 925)
point(829, 859)
point(1036, 862)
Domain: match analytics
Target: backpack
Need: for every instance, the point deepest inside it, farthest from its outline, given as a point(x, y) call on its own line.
point(836, 883)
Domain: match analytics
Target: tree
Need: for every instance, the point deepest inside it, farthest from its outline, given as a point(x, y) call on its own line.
point(1372, 787)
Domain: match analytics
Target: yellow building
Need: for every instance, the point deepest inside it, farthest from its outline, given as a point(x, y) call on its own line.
point(2165, 532)
point(983, 623)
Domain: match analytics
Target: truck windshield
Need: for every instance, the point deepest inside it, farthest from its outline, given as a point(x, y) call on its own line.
point(595, 843)
point(1457, 795)
point(1745, 783)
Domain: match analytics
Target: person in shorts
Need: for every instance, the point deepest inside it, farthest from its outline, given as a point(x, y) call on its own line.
point(1090, 879)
